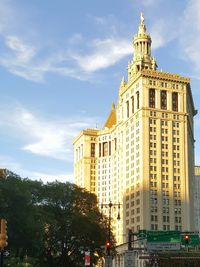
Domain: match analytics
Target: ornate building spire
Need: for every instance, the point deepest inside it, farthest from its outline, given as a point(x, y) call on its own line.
point(142, 51)
point(142, 27)
point(123, 83)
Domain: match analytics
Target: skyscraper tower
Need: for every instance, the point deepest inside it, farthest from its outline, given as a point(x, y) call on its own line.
point(143, 158)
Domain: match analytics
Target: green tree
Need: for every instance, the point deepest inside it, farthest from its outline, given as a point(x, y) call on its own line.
point(74, 224)
point(50, 224)
point(17, 207)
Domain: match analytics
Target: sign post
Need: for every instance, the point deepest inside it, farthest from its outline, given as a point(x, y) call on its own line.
point(108, 261)
point(129, 259)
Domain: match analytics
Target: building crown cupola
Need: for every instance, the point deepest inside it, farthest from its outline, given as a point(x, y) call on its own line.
point(142, 58)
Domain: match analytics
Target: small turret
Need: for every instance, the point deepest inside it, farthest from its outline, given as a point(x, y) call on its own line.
point(123, 83)
point(142, 51)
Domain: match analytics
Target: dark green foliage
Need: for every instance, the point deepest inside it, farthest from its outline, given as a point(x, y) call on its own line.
point(50, 224)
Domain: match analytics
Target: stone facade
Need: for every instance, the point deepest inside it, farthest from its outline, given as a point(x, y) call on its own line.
point(143, 158)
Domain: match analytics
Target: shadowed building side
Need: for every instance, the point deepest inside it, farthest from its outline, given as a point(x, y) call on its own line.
point(143, 158)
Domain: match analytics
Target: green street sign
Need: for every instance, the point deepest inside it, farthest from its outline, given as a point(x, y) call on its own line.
point(160, 236)
point(164, 236)
point(193, 240)
point(142, 234)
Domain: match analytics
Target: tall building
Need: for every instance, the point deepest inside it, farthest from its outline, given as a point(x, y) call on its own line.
point(197, 198)
point(143, 158)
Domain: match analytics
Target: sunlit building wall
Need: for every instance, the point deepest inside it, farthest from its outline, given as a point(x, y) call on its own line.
point(197, 197)
point(143, 158)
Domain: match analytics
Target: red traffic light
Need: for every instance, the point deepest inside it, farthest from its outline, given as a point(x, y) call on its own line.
point(107, 244)
point(186, 238)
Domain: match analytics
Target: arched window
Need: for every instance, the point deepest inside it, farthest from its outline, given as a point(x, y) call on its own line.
point(175, 101)
point(163, 99)
point(152, 98)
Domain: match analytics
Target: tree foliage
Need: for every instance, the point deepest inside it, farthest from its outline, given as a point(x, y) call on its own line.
point(50, 224)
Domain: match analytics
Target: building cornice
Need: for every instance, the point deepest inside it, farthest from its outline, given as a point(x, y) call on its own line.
point(164, 76)
point(89, 131)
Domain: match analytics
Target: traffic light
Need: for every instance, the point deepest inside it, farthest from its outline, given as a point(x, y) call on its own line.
point(108, 248)
point(3, 234)
point(186, 238)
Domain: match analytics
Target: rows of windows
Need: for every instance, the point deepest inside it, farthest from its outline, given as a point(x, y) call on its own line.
point(166, 227)
point(131, 108)
point(105, 148)
point(153, 124)
point(133, 175)
point(79, 152)
point(165, 84)
point(163, 100)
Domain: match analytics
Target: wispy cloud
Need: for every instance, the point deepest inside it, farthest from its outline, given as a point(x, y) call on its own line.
point(24, 53)
point(190, 33)
point(25, 57)
point(47, 177)
point(45, 137)
point(81, 58)
point(161, 33)
point(16, 167)
point(105, 53)
point(19, 59)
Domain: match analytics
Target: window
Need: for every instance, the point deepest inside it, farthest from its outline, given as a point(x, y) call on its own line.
point(132, 102)
point(175, 101)
point(152, 98)
point(105, 149)
point(92, 150)
point(109, 148)
point(127, 108)
point(138, 100)
point(163, 99)
point(115, 142)
point(100, 150)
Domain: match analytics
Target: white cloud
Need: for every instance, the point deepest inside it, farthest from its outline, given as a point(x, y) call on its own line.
point(105, 53)
point(22, 59)
point(159, 34)
point(24, 53)
point(79, 57)
point(51, 138)
point(46, 177)
point(190, 33)
point(19, 59)
point(8, 163)
point(16, 167)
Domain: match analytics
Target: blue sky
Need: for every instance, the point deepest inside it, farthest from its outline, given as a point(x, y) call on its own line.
point(61, 63)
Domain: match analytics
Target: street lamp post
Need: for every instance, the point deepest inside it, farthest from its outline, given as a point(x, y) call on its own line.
point(110, 205)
